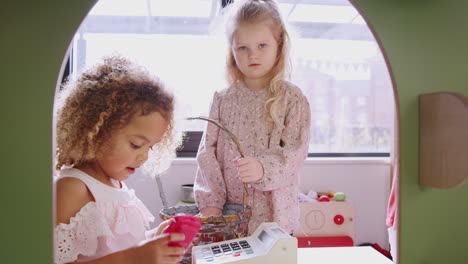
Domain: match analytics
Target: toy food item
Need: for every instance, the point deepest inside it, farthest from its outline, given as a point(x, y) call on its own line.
point(324, 198)
point(312, 195)
point(339, 196)
point(189, 225)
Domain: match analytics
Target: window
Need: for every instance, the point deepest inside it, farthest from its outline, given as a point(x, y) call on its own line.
point(337, 63)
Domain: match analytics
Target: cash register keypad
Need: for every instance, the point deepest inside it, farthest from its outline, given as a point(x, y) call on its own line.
point(222, 251)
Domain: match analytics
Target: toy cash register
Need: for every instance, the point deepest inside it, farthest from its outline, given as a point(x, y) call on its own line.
point(268, 244)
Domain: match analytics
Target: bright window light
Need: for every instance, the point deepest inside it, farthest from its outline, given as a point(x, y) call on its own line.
point(336, 62)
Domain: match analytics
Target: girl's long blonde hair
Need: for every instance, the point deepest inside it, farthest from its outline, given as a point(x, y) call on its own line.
point(256, 11)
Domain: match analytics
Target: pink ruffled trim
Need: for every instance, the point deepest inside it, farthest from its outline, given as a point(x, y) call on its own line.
point(98, 219)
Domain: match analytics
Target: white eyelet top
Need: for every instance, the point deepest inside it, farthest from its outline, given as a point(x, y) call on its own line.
point(117, 220)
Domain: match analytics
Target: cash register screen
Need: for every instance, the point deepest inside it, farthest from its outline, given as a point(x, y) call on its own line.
point(265, 238)
point(277, 230)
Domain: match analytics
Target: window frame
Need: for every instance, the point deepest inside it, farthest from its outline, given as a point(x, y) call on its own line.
point(192, 139)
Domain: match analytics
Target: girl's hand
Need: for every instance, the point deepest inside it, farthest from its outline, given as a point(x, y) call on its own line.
point(157, 251)
point(249, 169)
point(210, 211)
point(161, 227)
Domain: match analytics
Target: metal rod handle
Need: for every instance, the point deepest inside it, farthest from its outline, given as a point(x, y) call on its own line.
point(238, 145)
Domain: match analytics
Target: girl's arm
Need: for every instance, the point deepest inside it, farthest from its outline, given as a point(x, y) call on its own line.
point(71, 195)
point(210, 188)
point(155, 251)
point(282, 161)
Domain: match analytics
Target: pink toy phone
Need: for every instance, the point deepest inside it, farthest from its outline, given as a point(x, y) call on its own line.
point(189, 225)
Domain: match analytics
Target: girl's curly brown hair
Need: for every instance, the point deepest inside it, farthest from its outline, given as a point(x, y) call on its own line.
point(103, 99)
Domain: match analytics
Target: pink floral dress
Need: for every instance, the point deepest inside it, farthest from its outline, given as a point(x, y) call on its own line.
point(281, 150)
point(117, 220)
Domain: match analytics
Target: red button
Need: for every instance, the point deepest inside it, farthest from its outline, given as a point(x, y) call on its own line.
point(339, 219)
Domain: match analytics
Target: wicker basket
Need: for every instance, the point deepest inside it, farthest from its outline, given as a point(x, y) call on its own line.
point(232, 224)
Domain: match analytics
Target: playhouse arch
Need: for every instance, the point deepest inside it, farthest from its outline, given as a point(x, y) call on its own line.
point(396, 137)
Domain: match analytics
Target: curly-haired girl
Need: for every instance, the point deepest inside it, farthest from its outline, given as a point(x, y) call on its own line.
point(111, 120)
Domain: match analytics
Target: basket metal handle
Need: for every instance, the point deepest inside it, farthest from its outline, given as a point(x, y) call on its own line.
point(233, 138)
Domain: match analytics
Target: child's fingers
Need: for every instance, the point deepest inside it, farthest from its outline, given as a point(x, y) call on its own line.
point(211, 211)
point(164, 238)
point(236, 160)
point(169, 259)
point(246, 177)
point(169, 254)
point(160, 229)
point(243, 174)
point(173, 251)
point(243, 169)
point(165, 223)
point(242, 161)
point(245, 166)
point(246, 170)
point(177, 237)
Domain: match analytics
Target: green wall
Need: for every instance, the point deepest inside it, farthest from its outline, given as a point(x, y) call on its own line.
point(34, 38)
point(426, 42)
point(427, 46)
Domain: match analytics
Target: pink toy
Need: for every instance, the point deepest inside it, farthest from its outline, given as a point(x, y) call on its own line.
point(189, 225)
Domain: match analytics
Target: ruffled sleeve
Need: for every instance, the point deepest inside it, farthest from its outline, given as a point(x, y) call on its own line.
point(96, 220)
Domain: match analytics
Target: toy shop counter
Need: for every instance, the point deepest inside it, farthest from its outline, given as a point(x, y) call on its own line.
point(341, 255)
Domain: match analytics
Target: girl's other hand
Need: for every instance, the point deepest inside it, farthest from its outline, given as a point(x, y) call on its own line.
point(249, 169)
point(157, 250)
point(210, 211)
point(161, 227)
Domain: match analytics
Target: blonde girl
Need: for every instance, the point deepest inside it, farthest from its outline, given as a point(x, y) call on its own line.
point(269, 115)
